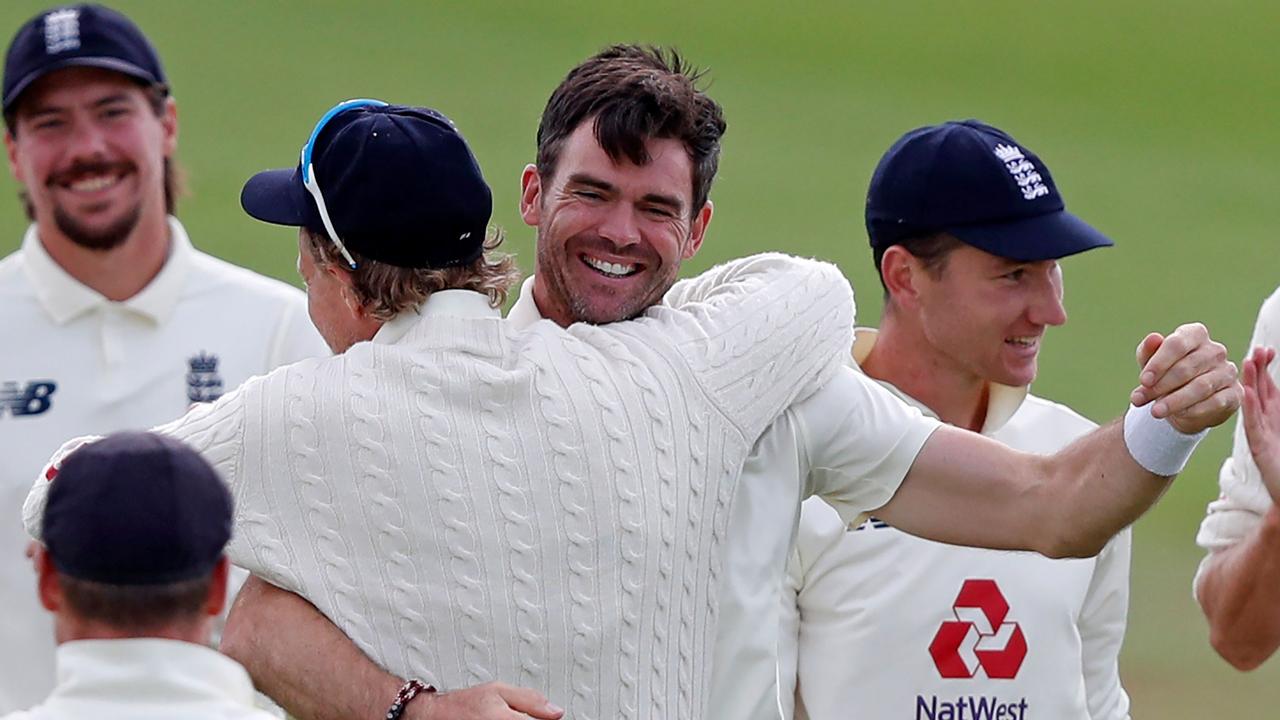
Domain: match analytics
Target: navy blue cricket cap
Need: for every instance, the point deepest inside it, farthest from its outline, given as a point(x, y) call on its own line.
point(78, 36)
point(136, 508)
point(400, 184)
point(977, 183)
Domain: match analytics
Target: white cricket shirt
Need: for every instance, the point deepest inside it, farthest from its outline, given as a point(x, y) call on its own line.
point(74, 363)
point(1243, 499)
point(883, 625)
point(145, 679)
point(547, 507)
point(851, 442)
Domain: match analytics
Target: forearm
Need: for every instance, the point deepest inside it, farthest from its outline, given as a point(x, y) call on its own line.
point(301, 660)
point(1089, 491)
point(1239, 592)
point(966, 489)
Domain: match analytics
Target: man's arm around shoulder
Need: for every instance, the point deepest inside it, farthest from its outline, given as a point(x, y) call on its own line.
point(300, 659)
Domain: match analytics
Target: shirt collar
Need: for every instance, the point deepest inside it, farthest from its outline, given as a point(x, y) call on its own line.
point(525, 311)
point(66, 298)
point(452, 303)
point(101, 668)
point(1002, 400)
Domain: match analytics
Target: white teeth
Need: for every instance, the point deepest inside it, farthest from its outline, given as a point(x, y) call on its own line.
point(608, 268)
point(94, 184)
point(1023, 341)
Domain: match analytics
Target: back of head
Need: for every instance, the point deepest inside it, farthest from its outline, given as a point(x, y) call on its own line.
point(135, 528)
point(394, 195)
point(632, 94)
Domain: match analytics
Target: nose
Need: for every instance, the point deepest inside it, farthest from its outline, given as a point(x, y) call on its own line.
point(619, 225)
point(88, 142)
point(1047, 308)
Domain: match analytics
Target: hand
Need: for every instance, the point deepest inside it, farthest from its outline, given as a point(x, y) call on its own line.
point(1262, 418)
point(1187, 378)
point(491, 701)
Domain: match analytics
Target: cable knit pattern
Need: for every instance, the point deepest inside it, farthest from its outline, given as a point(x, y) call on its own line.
point(545, 507)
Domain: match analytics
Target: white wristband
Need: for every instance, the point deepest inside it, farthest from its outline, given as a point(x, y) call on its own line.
point(1156, 444)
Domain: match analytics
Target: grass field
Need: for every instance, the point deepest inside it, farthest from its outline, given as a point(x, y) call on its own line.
point(1158, 120)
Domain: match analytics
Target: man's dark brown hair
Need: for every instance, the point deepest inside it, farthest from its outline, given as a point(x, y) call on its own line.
point(633, 94)
point(932, 250)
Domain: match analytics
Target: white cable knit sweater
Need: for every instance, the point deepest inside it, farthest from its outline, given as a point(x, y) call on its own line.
point(472, 503)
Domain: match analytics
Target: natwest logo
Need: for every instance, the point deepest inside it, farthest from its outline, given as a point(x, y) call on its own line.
point(979, 637)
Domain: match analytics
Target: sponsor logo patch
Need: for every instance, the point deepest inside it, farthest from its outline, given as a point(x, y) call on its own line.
point(980, 637)
point(26, 399)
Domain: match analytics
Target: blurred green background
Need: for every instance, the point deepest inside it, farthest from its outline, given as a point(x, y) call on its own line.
point(1158, 120)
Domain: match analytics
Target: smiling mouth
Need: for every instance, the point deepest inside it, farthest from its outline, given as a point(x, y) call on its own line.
point(1025, 342)
point(93, 184)
point(610, 269)
point(89, 178)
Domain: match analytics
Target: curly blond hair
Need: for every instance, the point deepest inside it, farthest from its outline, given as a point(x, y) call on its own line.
point(387, 290)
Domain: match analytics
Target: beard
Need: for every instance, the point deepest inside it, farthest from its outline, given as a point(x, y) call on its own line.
point(552, 259)
point(97, 239)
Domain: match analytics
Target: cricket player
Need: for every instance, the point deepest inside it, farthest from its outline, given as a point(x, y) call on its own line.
point(133, 577)
point(601, 244)
point(1238, 583)
point(898, 626)
point(111, 318)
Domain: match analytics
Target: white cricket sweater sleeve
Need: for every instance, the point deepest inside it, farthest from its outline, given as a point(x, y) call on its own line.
point(860, 440)
point(1102, 624)
point(214, 429)
point(1244, 499)
point(760, 332)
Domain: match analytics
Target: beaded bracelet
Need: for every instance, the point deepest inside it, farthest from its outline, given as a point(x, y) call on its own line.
point(407, 692)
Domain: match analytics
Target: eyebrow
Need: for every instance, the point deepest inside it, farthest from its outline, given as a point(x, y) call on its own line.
point(112, 99)
point(670, 201)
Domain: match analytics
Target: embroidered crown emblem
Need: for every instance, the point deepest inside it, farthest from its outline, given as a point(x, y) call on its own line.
point(62, 31)
point(204, 382)
point(204, 363)
point(1008, 153)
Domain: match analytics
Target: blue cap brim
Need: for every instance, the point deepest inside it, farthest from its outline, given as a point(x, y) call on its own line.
point(123, 67)
point(278, 196)
point(1043, 237)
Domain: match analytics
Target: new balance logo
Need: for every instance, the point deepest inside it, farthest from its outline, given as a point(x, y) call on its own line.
point(62, 31)
point(979, 637)
point(872, 523)
point(34, 398)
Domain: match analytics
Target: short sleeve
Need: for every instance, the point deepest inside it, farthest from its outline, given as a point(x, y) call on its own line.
point(860, 441)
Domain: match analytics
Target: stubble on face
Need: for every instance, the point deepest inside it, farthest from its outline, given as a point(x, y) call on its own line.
point(98, 239)
point(604, 304)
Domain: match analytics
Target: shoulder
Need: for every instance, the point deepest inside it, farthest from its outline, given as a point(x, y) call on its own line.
point(211, 274)
point(12, 277)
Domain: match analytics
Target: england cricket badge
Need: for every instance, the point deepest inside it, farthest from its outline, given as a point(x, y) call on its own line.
point(204, 383)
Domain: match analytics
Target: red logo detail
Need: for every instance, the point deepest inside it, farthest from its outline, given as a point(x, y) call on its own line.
point(51, 473)
point(979, 637)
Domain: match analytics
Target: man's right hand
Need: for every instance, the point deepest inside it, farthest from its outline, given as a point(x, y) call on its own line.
point(491, 701)
point(1262, 418)
point(1187, 378)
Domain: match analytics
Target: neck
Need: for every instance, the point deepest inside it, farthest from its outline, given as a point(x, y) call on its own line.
point(556, 312)
point(68, 628)
point(957, 397)
point(117, 274)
